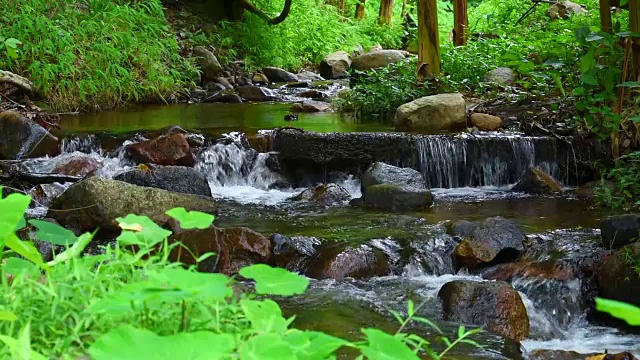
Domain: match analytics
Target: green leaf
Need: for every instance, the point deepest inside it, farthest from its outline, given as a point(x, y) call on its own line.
point(75, 250)
point(620, 310)
point(12, 43)
point(13, 208)
point(382, 346)
point(588, 61)
point(275, 281)
point(15, 266)
point(53, 233)
point(26, 249)
point(21, 224)
point(210, 285)
point(266, 347)
point(265, 315)
point(14, 343)
point(313, 345)
point(630, 84)
point(147, 233)
point(7, 316)
point(127, 343)
point(191, 219)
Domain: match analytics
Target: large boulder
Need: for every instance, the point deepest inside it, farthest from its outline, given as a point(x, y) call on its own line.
point(80, 165)
point(433, 114)
point(377, 59)
point(335, 65)
point(617, 276)
point(535, 181)
point(170, 149)
point(494, 305)
point(495, 240)
point(96, 202)
point(21, 138)
point(486, 122)
point(324, 194)
point(309, 76)
point(294, 253)
point(178, 179)
point(310, 106)
point(390, 197)
point(501, 75)
point(620, 230)
point(253, 93)
point(209, 64)
point(540, 270)
point(235, 248)
point(381, 173)
point(275, 75)
point(338, 261)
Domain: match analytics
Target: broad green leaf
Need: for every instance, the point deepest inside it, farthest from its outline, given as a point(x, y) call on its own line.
point(53, 233)
point(23, 347)
point(135, 295)
point(75, 250)
point(630, 84)
point(265, 316)
point(13, 209)
point(215, 286)
point(620, 310)
point(13, 343)
point(15, 266)
point(275, 281)
point(191, 219)
point(382, 346)
point(588, 61)
point(313, 345)
point(7, 316)
point(589, 79)
point(146, 231)
point(266, 347)
point(12, 42)
point(21, 224)
point(128, 343)
point(24, 248)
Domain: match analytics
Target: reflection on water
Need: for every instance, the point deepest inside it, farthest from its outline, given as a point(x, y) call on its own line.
point(215, 118)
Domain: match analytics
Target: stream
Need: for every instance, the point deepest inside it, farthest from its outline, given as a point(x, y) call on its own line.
point(470, 178)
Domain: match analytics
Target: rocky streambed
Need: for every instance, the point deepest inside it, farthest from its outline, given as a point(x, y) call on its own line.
point(492, 230)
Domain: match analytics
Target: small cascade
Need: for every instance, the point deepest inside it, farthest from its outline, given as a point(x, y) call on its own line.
point(483, 160)
point(86, 144)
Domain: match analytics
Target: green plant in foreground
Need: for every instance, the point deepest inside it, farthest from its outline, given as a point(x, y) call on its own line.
point(620, 310)
point(131, 300)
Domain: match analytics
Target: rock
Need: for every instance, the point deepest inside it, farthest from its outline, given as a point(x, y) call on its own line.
point(564, 9)
point(209, 64)
point(171, 149)
point(328, 194)
point(535, 181)
point(486, 122)
point(235, 248)
point(310, 106)
point(214, 87)
point(224, 82)
point(618, 231)
point(339, 261)
point(294, 253)
point(242, 81)
point(225, 98)
point(501, 75)
point(461, 229)
point(617, 277)
point(376, 59)
point(433, 114)
point(178, 179)
point(275, 75)
point(380, 173)
point(77, 166)
point(313, 94)
point(96, 202)
point(494, 305)
point(299, 84)
point(397, 198)
point(495, 240)
point(541, 270)
point(335, 65)
point(591, 188)
point(259, 78)
point(557, 355)
point(22, 138)
point(309, 76)
point(253, 93)
point(376, 47)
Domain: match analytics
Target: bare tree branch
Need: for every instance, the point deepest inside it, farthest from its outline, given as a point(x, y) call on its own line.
point(277, 20)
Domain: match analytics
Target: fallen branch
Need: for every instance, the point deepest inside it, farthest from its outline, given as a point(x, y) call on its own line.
point(16, 80)
point(37, 178)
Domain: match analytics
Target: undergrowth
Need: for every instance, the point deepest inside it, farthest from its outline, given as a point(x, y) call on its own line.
point(131, 301)
point(96, 54)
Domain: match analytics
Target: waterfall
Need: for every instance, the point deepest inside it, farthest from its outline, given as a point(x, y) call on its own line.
point(471, 161)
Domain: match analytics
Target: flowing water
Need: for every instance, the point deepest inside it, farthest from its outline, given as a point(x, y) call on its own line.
point(471, 178)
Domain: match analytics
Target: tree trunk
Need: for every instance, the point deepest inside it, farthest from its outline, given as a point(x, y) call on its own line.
point(386, 12)
point(403, 13)
point(605, 16)
point(460, 23)
point(428, 38)
point(634, 27)
point(360, 10)
point(341, 5)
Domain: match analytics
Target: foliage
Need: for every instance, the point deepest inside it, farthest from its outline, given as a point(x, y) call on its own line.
point(625, 175)
point(99, 54)
point(620, 310)
point(123, 303)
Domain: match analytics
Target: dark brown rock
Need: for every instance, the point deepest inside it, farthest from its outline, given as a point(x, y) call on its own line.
point(620, 230)
point(22, 138)
point(536, 181)
point(253, 93)
point(77, 166)
point(338, 261)
point(617, 276)
point(541, 270)
point(494, 305)
point(324, 194)
point(172, 149)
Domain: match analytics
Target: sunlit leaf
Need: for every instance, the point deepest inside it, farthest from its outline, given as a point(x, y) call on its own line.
point(53, 233)
point(14, 206)
point(75, 250)
point(266, 347)
point(264, 315)
point(128, 343)
point(15, 266)
point(382, 346)
point(275, 281)
point(313, 345)
point(191, 219)
point(620, 310)
point(210, 285)
point(24, 248)
point(145, 230)
point(7, 316)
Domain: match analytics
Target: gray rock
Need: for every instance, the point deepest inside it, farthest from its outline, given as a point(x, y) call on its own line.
point(432, 114)
point(335, 65)
point(501, 75)
point(564, 10)
point(380, 173)
point(22, 138)
point(178, 179)
point(339, 261)
point(328, 194)
point(209, 64)
point(253, 93)
point(621, 230)
point(377, 59)
point(275, 74)
point(224, 82)
point(397, 198)
point(96, 203)
point(309, 76)
point(310, 106)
